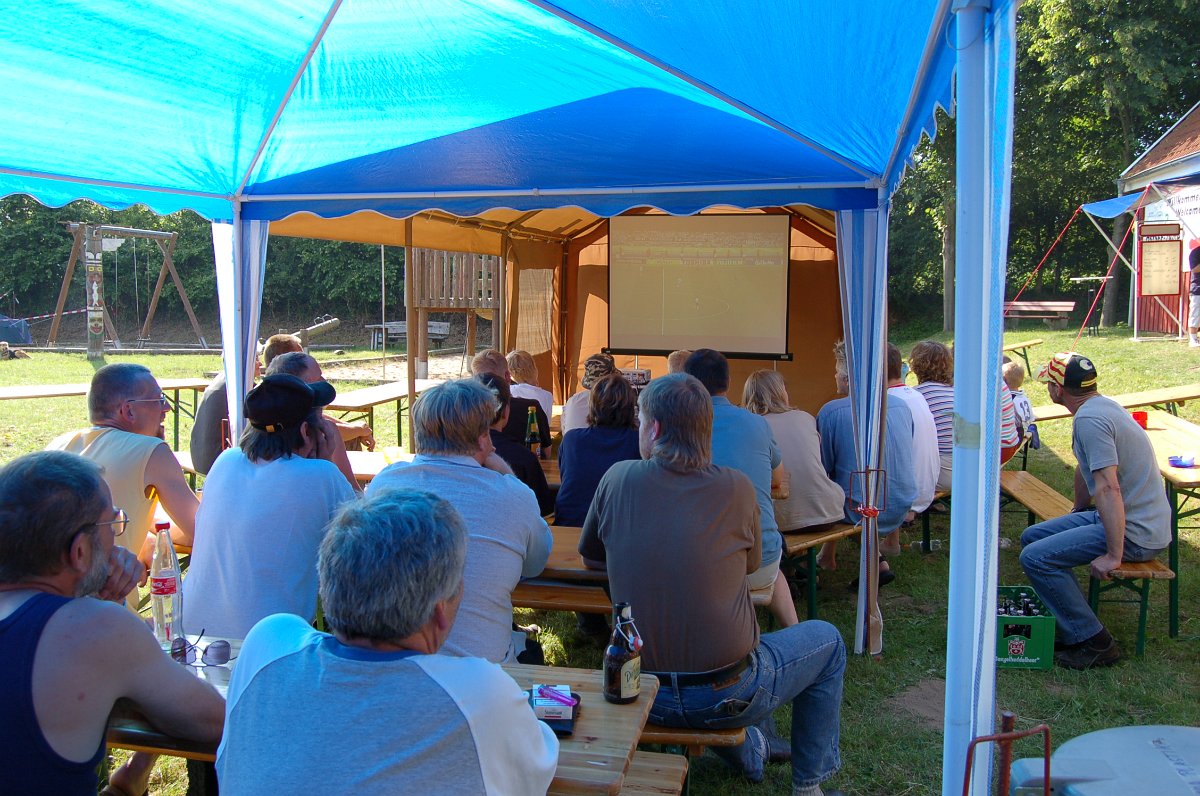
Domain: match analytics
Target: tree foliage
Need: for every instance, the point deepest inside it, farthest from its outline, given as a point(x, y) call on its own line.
point(1098, 81)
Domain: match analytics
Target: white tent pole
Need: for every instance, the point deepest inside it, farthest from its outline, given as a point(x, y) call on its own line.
point(1108, 240)
point(383, 309)
point(979, 292)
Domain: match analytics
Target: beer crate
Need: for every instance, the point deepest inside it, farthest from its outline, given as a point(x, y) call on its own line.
point(1024, 642)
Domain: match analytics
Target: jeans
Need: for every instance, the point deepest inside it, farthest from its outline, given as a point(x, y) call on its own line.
point(803, 663)
point(1051, 550)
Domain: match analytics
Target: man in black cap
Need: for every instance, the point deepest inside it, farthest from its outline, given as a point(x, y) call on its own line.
point(1120, 514)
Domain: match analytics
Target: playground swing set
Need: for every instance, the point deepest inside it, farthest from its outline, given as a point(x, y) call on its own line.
point(88, 243)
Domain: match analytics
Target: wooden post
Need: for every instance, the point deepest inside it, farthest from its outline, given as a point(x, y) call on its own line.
point(420, 338)
point(76, 248)
point(409, 315)
point(94, 269)
point(470, 333)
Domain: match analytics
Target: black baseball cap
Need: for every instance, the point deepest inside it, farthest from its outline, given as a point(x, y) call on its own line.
point(283, 401)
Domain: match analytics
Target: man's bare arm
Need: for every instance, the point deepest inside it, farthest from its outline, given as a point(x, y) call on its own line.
point(165, 476)
point(1111, 506)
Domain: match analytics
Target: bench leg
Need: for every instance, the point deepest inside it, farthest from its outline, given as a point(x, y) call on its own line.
point(926, 547)
point(1143, 609)
point(1173, 562)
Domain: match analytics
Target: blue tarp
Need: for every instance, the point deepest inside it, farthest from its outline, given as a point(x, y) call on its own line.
point(1111, 208)
point(466, 105)
point(15, 331)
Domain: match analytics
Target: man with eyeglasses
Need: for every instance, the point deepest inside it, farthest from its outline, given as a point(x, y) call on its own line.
point(66, 658)
point(127, 409)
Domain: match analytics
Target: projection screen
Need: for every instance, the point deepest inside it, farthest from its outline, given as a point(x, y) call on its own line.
point(698, 282)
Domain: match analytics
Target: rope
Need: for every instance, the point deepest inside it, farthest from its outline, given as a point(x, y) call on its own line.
point(50, 315)
point(1046, 256)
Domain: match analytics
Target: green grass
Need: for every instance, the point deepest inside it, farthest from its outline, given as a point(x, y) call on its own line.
point(887, 747)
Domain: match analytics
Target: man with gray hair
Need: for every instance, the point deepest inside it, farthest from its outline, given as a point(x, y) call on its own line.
point(304, 367)
point(697, 622)
point(66, 658)
point(127, 409)
point(507, 537)
point(376, 696)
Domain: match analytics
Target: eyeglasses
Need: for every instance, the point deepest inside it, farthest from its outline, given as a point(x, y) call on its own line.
point(160, 400)
point(214, 654)
point(119, 524)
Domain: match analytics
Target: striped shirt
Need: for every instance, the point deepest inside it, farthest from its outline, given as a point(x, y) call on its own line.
point(940, 398)
point(1009, 435)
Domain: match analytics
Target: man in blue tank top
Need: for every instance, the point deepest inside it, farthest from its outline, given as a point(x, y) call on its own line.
point(68, 650)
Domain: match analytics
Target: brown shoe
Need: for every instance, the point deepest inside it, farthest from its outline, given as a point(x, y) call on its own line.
point(1087, 656)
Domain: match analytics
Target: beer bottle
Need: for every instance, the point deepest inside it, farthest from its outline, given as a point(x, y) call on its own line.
point(623, 658)
point(533, 437)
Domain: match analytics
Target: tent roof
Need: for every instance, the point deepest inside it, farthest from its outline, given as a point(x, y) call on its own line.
point(402, 106)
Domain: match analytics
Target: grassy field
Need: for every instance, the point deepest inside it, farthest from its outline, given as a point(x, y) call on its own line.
point(891, 719)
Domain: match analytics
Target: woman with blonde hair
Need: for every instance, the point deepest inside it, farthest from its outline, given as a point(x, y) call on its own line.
point(814, 498)
point(525, 380)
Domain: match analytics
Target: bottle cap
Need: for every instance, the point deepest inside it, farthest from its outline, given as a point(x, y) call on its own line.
point(162, 526)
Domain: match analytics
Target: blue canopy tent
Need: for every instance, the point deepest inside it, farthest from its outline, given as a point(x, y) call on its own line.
point(248, 113)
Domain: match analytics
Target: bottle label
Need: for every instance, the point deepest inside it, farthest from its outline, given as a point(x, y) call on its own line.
point(162, 586)
point(631, 673)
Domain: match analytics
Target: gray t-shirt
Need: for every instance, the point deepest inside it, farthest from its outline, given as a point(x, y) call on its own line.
point(1104, 435)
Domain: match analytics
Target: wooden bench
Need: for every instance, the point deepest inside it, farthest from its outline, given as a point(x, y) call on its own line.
point(438, 330)
point(1168, 398)
point(807, 542)
point(692, 741)
point(1134, 576)
point(1038, 498)
point(1054, 313)
point(551, 595)
point(653, 773)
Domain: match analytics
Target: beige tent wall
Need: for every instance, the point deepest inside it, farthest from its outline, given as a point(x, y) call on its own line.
point(814, 325)
point(534, 271)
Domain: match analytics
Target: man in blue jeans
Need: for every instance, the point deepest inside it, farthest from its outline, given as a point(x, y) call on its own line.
point(1121, 512)
point(678, 536)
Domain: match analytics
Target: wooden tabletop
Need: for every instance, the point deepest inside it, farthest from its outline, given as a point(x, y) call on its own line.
point(363, 399)
point(593, 760)
point(1159, 396)
point(550, 469)
point(596, 757)
point(1173, 436)
point(565, 563)
point(22, 391)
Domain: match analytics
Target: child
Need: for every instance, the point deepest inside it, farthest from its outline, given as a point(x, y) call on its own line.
point(1014, 377)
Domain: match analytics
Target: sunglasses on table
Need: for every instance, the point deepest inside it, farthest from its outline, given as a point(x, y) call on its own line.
point(215, 653)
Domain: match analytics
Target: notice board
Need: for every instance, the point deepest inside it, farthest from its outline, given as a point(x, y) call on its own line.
point(1160, 264)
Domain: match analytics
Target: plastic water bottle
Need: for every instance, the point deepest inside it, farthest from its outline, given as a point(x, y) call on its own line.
point(166, 596)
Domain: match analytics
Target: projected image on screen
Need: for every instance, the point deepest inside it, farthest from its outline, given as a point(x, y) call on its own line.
point(698, 282)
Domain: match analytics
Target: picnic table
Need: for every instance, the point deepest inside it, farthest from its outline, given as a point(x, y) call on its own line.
point(438, 330)
point(593, 760)
point(362, 402)
point(1171, 436)
point(170, 387)
point(1054, 313)
point(1022, 350)
point(1168, 398)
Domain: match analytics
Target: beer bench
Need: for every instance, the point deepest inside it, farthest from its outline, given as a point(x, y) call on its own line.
point(941, 496)
point(692, 741)
point(795, 543)
point(654, 773)
point(1038, 498)
point(550, 595)
point(1054, 313)
point(438, 330)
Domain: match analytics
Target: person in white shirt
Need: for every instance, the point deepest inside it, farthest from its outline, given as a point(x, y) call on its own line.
point(376, 707)
point(507, 537)
point(926, 460)
point(524, 373)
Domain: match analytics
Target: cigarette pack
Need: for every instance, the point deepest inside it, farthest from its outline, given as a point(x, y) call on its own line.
point(545, 707)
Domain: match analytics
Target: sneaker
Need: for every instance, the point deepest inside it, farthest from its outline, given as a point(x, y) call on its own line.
point(1088, 656)
point(1194, 342)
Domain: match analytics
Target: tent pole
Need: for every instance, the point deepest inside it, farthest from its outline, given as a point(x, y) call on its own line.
point(409, 313)
point(383, 310)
